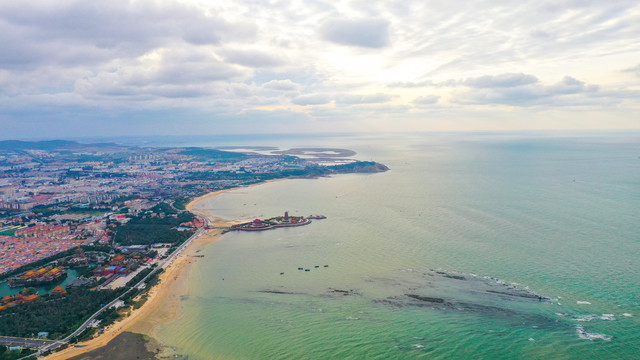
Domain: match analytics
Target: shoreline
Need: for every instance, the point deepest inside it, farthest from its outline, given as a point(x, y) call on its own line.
point(163, 302)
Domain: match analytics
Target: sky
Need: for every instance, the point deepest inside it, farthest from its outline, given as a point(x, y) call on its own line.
point(119, 68)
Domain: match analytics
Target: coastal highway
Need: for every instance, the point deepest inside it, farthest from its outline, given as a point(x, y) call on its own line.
point(24, 342)
point(163, 264)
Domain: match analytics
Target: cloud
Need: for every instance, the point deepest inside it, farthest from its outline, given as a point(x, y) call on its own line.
point(78, 32)
point(252, 58)
point(281, 85)
point(213, 61)
point(410, 84)
point(353, 99)
point(344, 99)
point(568, 92)
point(368, 33)
point(426, 100)
point(486, 81)
point(187, 73)
point(312, 99)
point(634, 69)
point(502, 80)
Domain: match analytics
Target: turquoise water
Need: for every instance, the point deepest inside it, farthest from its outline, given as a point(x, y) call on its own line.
point(460, 217)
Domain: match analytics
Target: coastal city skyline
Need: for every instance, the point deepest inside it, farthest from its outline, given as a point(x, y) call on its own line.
point(115, 68)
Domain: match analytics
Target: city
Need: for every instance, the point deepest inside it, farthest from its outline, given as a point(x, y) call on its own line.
point(91, 224)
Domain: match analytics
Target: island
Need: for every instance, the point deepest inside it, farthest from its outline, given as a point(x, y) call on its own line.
point(276, 222)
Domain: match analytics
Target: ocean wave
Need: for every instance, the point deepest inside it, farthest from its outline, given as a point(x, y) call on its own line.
point(591, 317)
point(497, 286)
point(581, 302)
point(583, 334)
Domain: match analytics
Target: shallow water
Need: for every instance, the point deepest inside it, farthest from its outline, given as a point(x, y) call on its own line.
point(457, 221)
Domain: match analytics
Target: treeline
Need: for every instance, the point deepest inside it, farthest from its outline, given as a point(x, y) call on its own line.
point(5, 354)
point(150, 227)
point(147, 234)
point(246, 177)
point(358, 166)
point(62, 314)
point(48, 210)
point(55, 313)
point(309, 171)
point(181, 203)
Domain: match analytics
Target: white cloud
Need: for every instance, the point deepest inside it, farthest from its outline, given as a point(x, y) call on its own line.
point(281, 85)
point(426, 100)
point(71, 33)
point(368, 33)
point(634, 69)
point(352, 99)
point(381, 61)
point(566, 92)
point(187, 73)
point(312, 99)
point(502, 80)
point(252, 58)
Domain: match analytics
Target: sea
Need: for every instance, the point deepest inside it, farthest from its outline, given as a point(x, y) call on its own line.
point(495, 245)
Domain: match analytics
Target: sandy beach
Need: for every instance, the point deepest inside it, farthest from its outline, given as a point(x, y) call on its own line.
point(163, 300)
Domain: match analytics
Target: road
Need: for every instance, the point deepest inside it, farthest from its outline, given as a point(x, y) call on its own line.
point(24, 342)
point(163, 264)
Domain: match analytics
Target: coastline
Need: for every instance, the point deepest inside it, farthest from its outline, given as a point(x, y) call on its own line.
point(162, 305)
point(163, 300)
